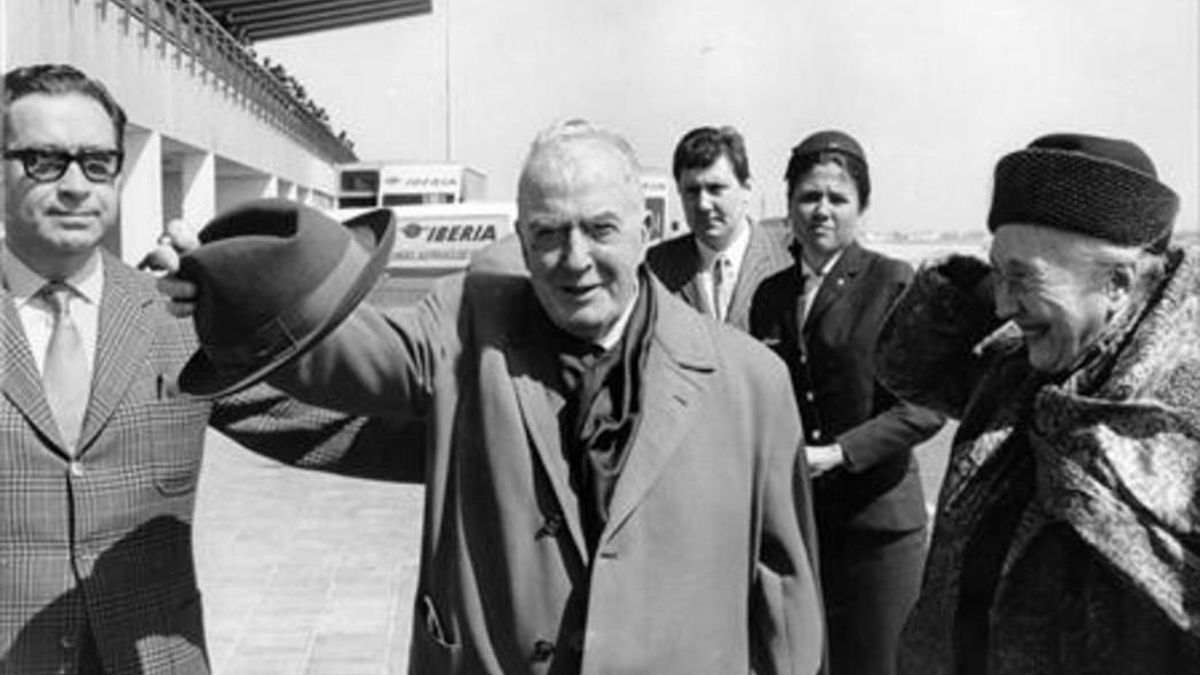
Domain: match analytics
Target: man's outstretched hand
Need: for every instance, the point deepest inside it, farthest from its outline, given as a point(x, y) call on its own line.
point(176, 239)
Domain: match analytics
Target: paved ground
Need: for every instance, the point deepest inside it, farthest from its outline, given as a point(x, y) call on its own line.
point(304, 573)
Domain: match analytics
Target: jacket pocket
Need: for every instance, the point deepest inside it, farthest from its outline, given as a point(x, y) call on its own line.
point(435, 627)
point(434, 648)
point(175, 479)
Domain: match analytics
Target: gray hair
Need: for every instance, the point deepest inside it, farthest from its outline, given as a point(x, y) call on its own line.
point(1100, 259)
point(549, 144)
point(1145, 267)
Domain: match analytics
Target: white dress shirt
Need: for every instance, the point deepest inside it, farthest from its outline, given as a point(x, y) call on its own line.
point(735, 253)
point(617, 330)
point(37, 318)
point(813, 279)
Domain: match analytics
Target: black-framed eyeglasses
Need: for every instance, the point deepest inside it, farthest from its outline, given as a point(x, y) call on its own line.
point(46, 166)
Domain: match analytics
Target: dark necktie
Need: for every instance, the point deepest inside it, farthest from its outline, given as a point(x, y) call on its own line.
point(65, 374)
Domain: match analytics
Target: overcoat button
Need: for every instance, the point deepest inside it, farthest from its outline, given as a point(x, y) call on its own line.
point(550, 527)
point(542, 651)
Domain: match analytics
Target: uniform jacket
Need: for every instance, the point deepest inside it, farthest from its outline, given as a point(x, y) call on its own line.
point(676, 262)
point(105, 538)
point(1065, 540)
point(831, 360)
point(701, 567)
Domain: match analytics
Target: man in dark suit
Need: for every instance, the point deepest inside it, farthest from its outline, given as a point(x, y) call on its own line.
point(719, 264)
point(98, 460)
point(823, 316)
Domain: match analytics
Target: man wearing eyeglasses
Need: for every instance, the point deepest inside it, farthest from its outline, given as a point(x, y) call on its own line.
point(98, 461)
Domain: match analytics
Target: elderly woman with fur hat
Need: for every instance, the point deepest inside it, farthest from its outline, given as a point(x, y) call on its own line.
point(1067, 538)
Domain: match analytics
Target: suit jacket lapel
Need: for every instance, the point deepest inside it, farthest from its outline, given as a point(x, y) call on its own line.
point(836, 284)
point(680, 359)
point(125, 334)
point(761, 260)
point(532, 370)
point(689, 284)
point(21, 382)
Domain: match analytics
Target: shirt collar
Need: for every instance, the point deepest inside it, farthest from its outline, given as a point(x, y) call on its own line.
point(614, 333)
point(735, 252)
point(24, 283)
point(808, 271)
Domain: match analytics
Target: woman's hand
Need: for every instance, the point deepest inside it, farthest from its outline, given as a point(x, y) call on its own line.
point(824, 458)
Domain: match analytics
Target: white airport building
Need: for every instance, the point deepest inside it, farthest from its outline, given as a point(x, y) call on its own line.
point(209, 125)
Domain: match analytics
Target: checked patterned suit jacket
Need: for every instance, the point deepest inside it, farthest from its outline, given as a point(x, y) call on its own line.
point(96, 561)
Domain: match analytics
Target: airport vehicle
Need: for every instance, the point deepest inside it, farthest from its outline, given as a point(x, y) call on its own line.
point(375, 184)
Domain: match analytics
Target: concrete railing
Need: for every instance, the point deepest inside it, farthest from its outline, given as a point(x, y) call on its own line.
point(182, 30)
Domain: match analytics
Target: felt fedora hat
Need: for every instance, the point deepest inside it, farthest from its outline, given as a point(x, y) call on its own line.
point(273, 278)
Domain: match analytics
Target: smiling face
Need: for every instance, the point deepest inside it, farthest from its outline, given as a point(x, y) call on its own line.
point(714, 202)
point(54, 227)
point(582, 224)
point(824, 210)
point(1051, 289)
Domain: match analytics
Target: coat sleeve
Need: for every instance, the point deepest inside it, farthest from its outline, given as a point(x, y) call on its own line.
point(786, 622)
point(359, 395)
point(926, 353)
point(380, 363)
point(270, 423)
point(897, 428)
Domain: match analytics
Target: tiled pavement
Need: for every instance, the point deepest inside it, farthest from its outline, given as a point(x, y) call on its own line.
point(311, 574)
point(303, 573)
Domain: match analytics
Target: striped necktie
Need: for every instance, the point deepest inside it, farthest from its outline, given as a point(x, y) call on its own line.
point(65, 374)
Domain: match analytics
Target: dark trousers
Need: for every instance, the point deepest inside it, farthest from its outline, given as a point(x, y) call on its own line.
point(870, 582)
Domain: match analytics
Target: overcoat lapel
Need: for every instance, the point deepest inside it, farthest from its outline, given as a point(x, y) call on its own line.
point(125, 334)
point(696, 297)
point(680, 359)
point(836, 285)
point(531, 369)
point(21, 382)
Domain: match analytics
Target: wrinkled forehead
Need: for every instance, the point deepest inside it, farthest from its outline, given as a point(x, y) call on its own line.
point(1033, 245)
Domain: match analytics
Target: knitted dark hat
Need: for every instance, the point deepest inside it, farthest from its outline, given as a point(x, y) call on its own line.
point(1101, 187)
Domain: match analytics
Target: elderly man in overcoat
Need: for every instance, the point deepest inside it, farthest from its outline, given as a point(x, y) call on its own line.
point(1065, 539)
point(610, 476)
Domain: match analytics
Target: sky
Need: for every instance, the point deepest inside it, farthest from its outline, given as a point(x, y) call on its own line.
point(935, 90)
